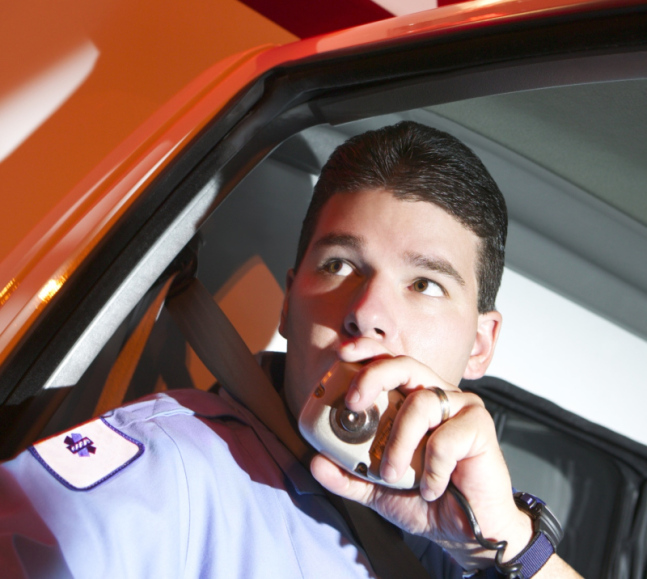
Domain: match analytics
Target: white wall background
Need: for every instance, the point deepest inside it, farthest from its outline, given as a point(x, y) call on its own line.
point(563, 352)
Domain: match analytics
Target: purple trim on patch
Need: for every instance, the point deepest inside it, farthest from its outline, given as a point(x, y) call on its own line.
point(66, 484)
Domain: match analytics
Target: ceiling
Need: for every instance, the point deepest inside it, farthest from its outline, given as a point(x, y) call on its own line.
point(591, 135)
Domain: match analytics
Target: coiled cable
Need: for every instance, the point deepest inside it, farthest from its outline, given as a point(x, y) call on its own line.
point(509, 571)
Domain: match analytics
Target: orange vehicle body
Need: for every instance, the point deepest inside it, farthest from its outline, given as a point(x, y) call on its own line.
point(155, 75)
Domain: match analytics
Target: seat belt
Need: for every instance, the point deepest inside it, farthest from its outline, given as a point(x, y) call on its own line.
point(220, 347)
point(118, 381)
point(222, 350)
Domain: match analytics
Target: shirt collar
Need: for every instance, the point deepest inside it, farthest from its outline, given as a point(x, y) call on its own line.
point(224, 405)
point(300, 477)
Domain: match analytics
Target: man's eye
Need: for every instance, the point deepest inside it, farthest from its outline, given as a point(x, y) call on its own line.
point(337, 267)
point(428, 287)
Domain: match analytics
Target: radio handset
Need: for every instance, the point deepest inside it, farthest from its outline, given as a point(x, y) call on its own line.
point(355, 440)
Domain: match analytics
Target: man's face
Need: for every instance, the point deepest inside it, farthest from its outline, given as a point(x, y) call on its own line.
point(400, 273)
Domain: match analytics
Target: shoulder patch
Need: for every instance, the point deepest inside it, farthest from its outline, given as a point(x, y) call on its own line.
point(87, 455)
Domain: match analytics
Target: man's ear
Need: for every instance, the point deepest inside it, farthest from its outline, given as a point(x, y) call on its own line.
point(487, 334)
point(289, 278)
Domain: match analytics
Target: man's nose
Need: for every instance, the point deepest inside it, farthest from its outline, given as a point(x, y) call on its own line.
point(371, 314)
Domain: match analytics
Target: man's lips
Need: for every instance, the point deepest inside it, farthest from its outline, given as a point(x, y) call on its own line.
point(362, 350)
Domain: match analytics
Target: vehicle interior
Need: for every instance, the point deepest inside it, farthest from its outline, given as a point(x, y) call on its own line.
point(559, 129)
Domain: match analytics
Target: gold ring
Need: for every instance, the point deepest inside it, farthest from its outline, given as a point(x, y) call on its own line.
point(444, 403)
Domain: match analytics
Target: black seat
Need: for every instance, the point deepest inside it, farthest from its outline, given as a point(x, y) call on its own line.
point(593, 479)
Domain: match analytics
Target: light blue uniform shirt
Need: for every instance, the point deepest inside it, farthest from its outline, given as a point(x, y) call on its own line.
point(186, 484)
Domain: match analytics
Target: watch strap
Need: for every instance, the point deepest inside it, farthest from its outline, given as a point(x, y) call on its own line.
point(534, 556)
point(547, 533)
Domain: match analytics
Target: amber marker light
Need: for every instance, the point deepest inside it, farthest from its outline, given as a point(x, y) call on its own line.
point(7, 290)
point(50, 289)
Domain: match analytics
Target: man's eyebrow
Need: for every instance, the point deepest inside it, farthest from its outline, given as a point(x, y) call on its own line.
point(435, 264)
point(339, 239)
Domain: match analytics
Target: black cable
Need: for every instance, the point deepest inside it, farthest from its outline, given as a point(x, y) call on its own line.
point(508, 571)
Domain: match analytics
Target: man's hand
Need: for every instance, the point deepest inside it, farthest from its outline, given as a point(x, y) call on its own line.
point(463, 449)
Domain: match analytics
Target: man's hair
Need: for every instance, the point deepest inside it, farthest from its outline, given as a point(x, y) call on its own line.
point(418, 163)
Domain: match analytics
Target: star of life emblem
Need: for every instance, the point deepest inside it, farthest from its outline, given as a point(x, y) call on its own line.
point(105, 449)
point(79, 444)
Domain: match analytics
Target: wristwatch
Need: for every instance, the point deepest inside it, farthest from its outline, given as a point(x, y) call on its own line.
point(547, 535)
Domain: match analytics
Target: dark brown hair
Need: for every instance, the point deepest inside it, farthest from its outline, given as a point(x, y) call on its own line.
point(418, 163)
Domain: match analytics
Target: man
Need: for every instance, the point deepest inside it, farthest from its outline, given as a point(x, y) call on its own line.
point(398, 266)
point(399, 263)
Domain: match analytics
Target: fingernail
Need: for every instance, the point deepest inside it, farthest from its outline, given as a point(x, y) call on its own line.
point(353, 397)
point(388, 473)
point(425, 492)
point(428, 495)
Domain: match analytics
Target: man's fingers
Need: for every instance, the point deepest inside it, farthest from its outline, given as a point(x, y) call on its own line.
point(401, 507)
point(389, 373)
point(360, 349)
point(340, 482)
point(461, 439)
point(421, 412)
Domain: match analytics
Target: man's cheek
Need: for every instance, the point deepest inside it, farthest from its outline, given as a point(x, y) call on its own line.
point(319, 317)
point(445, 349)
point(321, 338)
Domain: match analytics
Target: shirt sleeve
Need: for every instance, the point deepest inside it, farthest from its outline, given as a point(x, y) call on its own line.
point(27, 546)
point(94, 500)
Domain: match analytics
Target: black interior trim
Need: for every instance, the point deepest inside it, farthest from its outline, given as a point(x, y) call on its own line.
point(605, 475)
